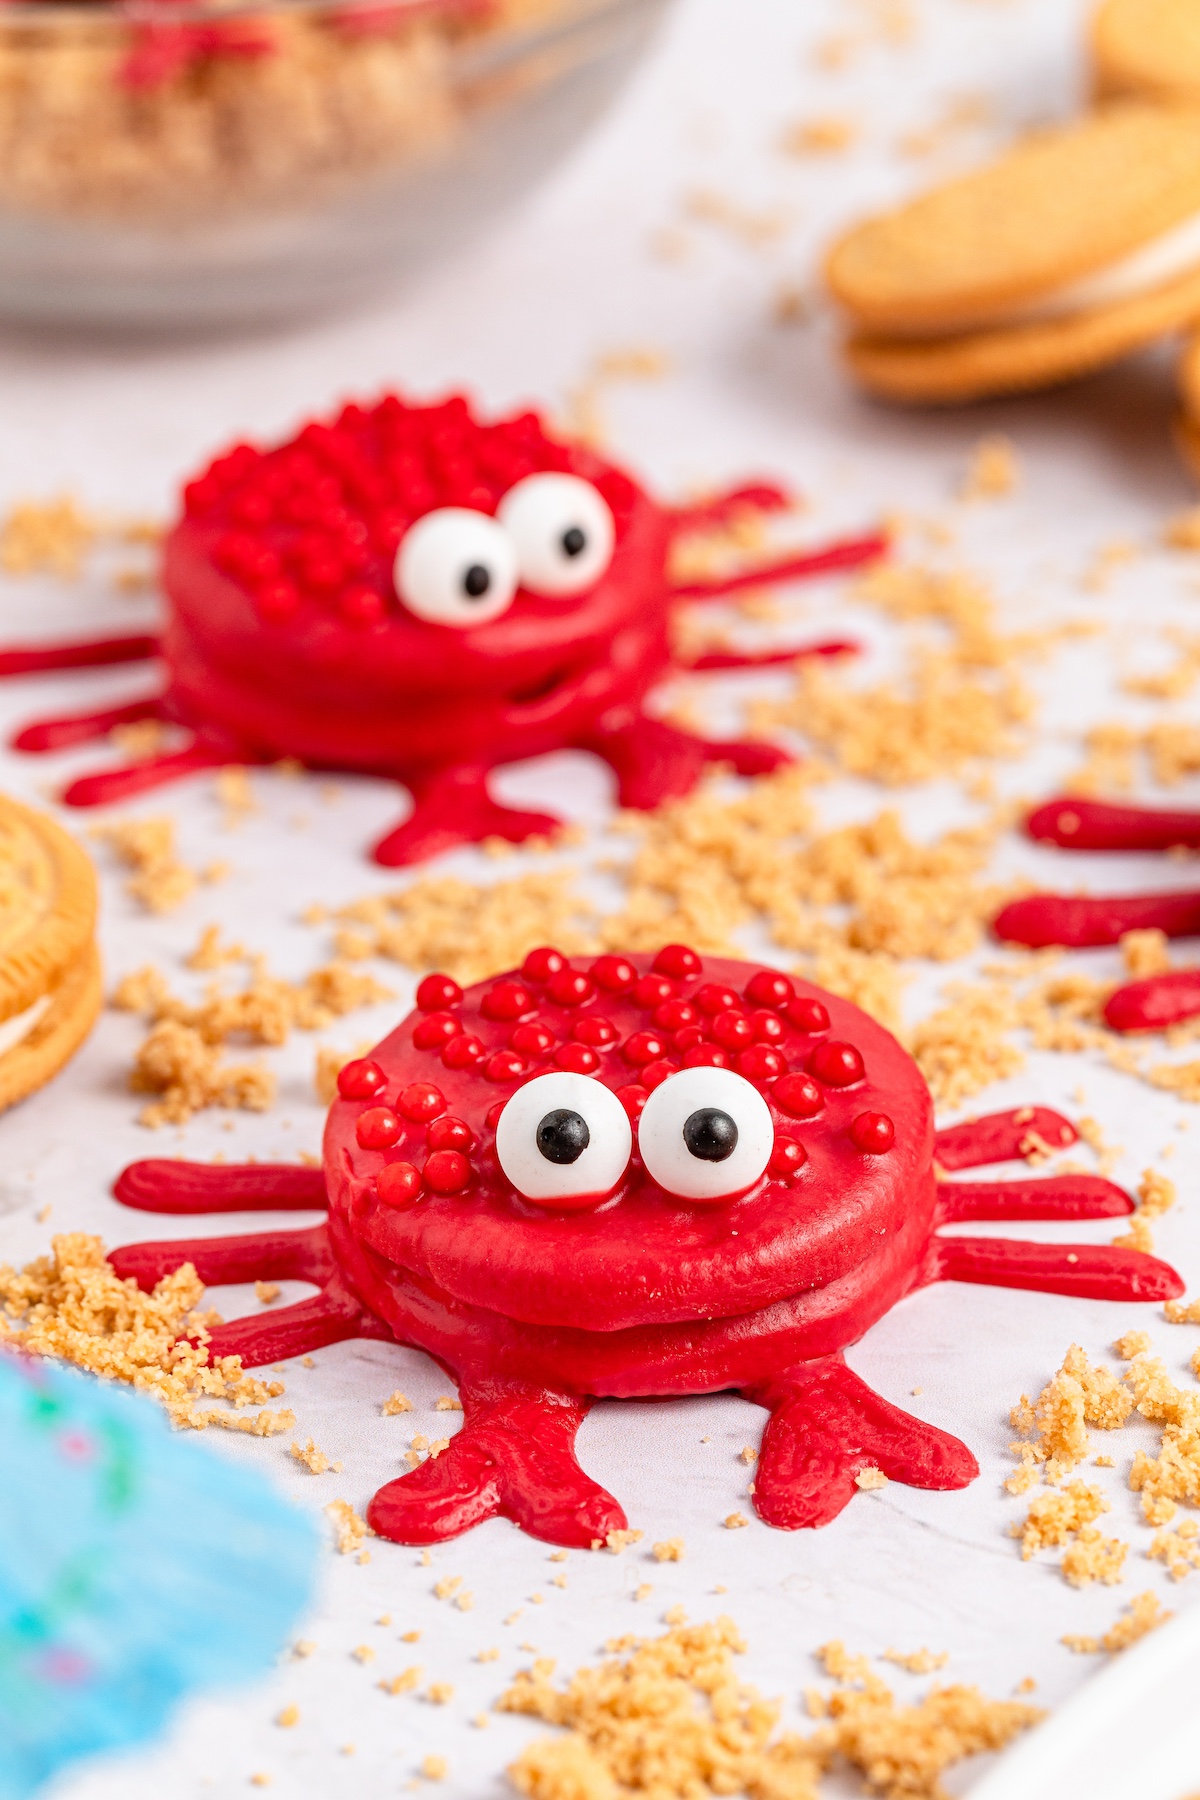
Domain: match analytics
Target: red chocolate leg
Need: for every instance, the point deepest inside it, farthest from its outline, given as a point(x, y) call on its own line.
point(123, 782)
point(454, 807)
point(826, 1426)
point(1001, 1136)
point(82, 728)
point(849, 553)
point(1052, 1197)
point(1156, 1002)
point(514, 1458)
point(256, 1256)
point(771, 659)
point(159, 1185)
point(327, 1318)
point(1081, 921)
point(717, 509)
point(92, 653)
point(1091, 1271)
point(654, 761)
point(1094, 825)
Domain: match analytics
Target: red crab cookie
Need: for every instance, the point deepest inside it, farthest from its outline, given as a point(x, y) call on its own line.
point(409, 592)
point(645, 1176)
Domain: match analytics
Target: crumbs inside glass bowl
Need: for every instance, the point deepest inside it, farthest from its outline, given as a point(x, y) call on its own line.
point(172, 161)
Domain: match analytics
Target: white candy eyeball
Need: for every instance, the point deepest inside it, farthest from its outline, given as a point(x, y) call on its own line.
point(705, 1134)
point(564, 1137)
point(456, 567)
point(563, 531)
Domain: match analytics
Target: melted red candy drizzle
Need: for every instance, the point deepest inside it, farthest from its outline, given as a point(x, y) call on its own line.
point(361, 1079)
point(570, 987)
point(766, 1026)
point(437, 992)
point(712, 998)
point(760, 1063)
point(837, 1065)
point(768, 988)
point(542, 963)
point(593, 1030)
point(531, 1039)
point(421, 1101)
point(378, 1128)
point(873, 1132)
point(507, 1000)
point(435, 1029)
point(787, 1156)
point(503, 1065)
point(732, 1030)
point(673, 1015)
point(655, 1073)
point(463, 1052)
point(399, 1184)
point(706, 1056)
point(798, 1096)
point(449, 1133)
point(643, 1047)
point(614, 974)
point(633, 1098)
point(677, 961)
point(652, 991)
point(446, 1172)
point(581, 1059)
point(807, 1015)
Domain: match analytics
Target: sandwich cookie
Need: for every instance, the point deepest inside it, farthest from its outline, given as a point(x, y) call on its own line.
point(50, 987)
point(1148, 48)
point(1078, 246)
point(1187, 424)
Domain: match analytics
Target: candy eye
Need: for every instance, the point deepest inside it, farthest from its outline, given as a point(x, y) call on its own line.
point(563, 532)
point(456, 567)
point(705, 1134)
point(564, 1138)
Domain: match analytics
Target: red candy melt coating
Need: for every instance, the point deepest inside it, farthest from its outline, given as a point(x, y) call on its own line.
point(437, 992)
point(536, 1308)
point(361, 1079)
point(836, 1064)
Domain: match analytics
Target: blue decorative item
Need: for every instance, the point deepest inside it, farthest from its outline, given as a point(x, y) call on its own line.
point(135, 1567)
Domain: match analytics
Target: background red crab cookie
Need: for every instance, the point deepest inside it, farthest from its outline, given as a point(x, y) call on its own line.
point(826, 1206)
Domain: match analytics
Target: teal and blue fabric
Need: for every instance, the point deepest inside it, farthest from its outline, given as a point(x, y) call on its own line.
point(136, 1566)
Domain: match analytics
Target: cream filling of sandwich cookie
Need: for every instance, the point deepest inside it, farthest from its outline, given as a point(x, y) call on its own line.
point(14, 1031)
point(1153, 265)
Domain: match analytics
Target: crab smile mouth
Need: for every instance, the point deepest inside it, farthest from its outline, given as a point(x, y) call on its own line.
point(544, 688)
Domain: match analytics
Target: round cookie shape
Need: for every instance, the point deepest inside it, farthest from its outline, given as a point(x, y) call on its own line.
point(1149, 48)
point(1064, 203)
point(642, 1255)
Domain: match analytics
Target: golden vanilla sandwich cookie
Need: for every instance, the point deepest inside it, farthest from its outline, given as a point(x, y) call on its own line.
point(1149, 48)
point(1077, 246)
point(1187, 424)
point(50, 987)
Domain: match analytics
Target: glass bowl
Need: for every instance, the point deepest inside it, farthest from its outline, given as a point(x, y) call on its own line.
point(170, 165)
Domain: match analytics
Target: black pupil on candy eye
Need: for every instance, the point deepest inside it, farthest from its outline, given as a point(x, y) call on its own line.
point(476, 581)
point(710, 1134)
point(574, 540)
point(563, 1136)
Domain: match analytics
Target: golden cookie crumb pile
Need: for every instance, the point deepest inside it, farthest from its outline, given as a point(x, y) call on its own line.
point(72, 1306)
point(1055, 1425)
point(147, 846)
point(1143, 1614)
point(349, 1530)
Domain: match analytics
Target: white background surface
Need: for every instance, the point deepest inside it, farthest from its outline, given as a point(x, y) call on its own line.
point(521, 317)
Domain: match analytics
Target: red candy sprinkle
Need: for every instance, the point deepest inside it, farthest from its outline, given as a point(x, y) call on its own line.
point(378, 1128)
point(615, 974)
point(503, 1065)
point(643, 1047)
point(807, 1015)
point(655, 1073)
point(651, 991)
point(507, 1000)
point(570, 987)
point(463, 1052)
point(673, 1015)
point(633, 1098)
point(873, 1132)
point(436, 992)
point(399, 1184)
point(798, 1095)
point(769, 989)
point(531, 1039)
point(688, 1036)
point(581, 1059)
point(732, 1030)
point(597, 1032)
point(760, 1063)
point(678, 961)
point(706, 1056)
point(493, 1114)
point(361, 1079)
point(713, 999)
point(435, 1029)
point(450, 1133)
point(787, 1156)
point(421, 1101)
point(542, 963)
point(447, 1172)
point(766, 1026)
point(837, 1065)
